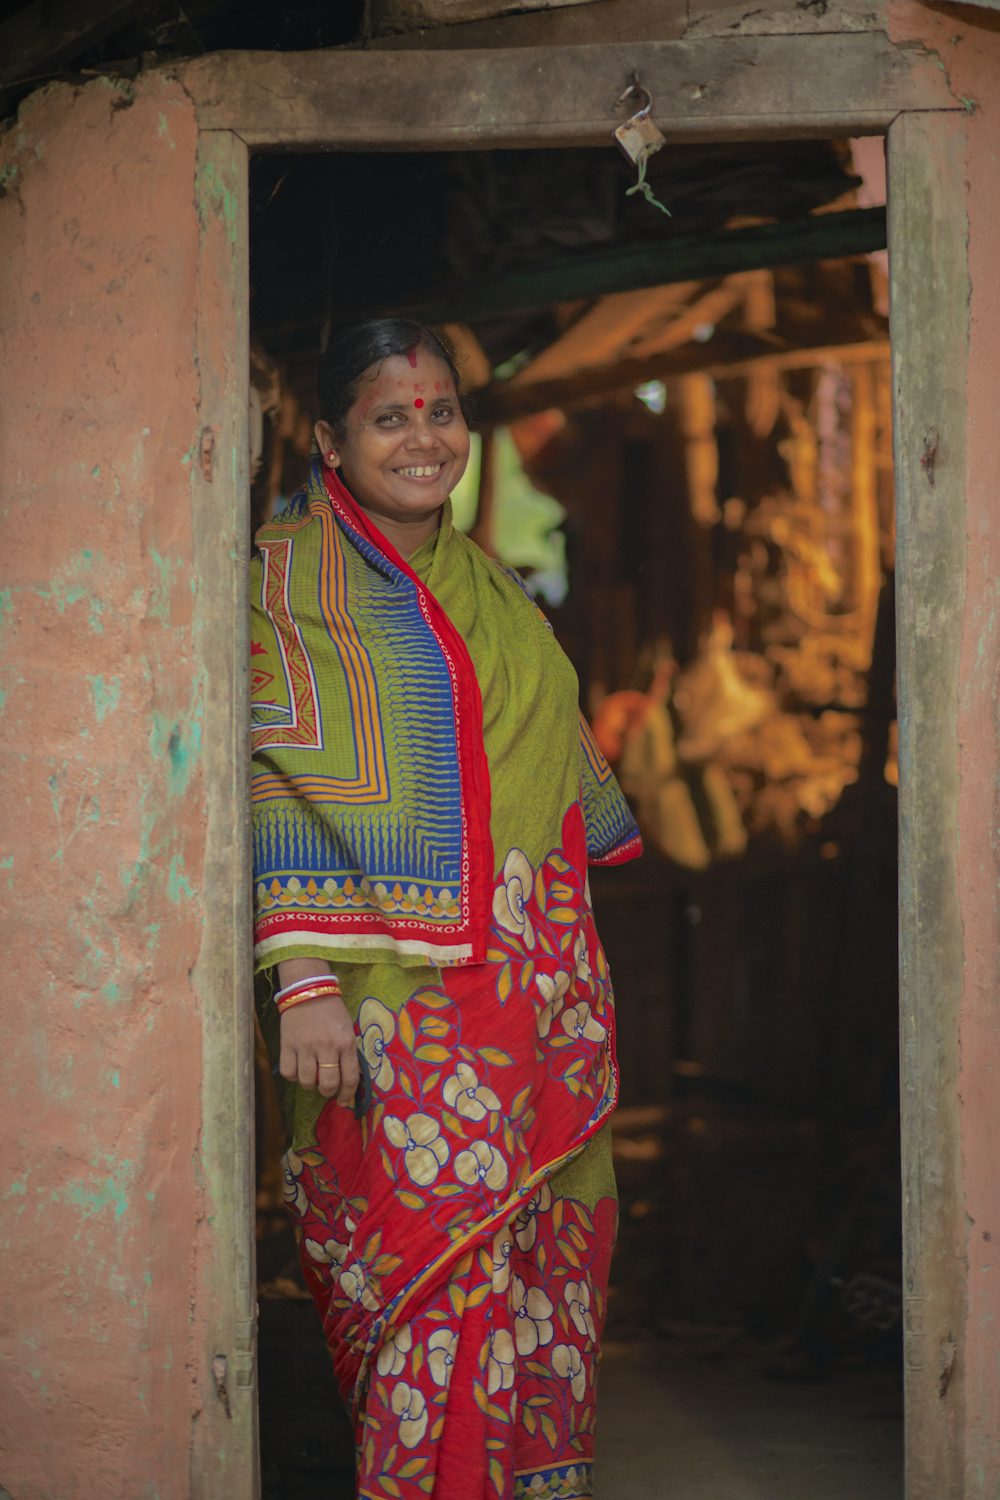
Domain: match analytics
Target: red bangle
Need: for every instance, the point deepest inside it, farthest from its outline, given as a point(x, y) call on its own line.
point(309, 991)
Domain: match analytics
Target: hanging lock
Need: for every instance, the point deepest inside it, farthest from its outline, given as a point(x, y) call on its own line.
point(638, 139)
point(638, 136)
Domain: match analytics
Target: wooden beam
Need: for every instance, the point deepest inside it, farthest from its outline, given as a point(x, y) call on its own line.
point(950, 1425)
point(729, 354)
point(732, 17)
point(609, 21)
point(569, 357)
point(607, 327)
point(39, 38)
point(715, 88)
point(713, 306)
point(676, 257)
point(408, 13)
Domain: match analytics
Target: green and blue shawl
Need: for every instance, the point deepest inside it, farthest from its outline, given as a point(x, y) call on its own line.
point(403, 712)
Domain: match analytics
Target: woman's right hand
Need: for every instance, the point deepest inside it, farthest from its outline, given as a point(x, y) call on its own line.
point(319, 1048)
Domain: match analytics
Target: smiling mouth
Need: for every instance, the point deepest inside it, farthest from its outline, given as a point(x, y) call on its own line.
point(421, 471)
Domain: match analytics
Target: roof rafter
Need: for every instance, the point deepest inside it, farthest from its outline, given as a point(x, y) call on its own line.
point(679, 257)
point(39, 38)
point(731, 353)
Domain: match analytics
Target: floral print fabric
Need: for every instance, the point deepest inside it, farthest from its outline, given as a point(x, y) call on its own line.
point(510, 1342)
point(461, 1289)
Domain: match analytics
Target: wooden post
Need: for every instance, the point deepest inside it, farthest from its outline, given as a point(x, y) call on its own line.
point(224, 1447)
point(929, 322)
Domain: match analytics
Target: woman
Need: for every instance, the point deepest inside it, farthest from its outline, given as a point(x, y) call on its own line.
point(425, 800)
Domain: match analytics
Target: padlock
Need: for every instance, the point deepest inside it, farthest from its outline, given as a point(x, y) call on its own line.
point(639, 138)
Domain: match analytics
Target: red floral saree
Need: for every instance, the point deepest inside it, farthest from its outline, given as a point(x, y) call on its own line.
point(457, 1239)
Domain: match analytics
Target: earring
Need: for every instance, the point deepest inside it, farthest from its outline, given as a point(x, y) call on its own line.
point(331, 458)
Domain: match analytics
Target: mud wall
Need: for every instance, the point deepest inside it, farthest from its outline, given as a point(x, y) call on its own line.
point(977, 76)
point(103, 1334)
point(103, 824)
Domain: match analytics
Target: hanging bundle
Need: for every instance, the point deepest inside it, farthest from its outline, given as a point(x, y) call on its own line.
point(639, 138)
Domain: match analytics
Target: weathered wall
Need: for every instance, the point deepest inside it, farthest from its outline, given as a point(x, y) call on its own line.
point(975, 74)
point(103, 1334)
point(103, 824)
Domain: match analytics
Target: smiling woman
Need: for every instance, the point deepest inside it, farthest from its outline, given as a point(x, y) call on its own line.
point(426, 799)
point(403, 443)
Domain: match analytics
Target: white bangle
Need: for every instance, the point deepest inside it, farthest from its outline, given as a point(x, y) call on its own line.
point(301, 984)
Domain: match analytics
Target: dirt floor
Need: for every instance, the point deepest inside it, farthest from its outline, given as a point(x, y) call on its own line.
point(687, 1417)
point(677, 1424)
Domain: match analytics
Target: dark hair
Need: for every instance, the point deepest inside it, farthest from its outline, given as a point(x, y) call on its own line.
point(356, 347)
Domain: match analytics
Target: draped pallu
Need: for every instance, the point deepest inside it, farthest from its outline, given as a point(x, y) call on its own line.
point(426, 798)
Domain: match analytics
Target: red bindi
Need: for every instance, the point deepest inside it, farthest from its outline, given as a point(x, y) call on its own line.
point(419, 402)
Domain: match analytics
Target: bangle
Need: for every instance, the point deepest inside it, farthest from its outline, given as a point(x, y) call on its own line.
point(300, 984)
point(307, 990)
point(317, 994)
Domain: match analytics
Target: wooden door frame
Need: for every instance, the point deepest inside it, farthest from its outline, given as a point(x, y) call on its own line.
point(714, 89)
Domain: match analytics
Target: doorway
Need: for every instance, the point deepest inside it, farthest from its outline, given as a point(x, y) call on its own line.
point(694, 475)
point(925, 151)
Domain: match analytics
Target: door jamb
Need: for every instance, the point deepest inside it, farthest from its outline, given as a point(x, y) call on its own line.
point(345, 101)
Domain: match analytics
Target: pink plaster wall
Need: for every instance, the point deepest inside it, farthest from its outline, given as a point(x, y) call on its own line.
point(103, 830)
point(103, 840)
point(977, 74)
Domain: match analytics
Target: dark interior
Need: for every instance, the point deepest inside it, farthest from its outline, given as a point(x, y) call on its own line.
point(707, 397)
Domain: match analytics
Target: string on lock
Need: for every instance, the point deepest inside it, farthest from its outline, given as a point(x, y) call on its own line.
point(639, 138)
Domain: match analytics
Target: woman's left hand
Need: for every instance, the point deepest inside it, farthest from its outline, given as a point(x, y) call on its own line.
point(319, 1048)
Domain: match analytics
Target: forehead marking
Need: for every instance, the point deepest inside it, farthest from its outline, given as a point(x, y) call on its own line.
point(411, 355)
point(419, 402)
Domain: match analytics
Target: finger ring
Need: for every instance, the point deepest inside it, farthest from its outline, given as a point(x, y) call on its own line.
point(329, 1065)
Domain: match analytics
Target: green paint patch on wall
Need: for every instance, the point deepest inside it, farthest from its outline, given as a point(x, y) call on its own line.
point(178, 885)
point(133, 872)
point(180, 743)
point(64, 593)
point(213, 196)
point(111, 1193)
point(6, 609)
point(106, 695)
point(167, 569)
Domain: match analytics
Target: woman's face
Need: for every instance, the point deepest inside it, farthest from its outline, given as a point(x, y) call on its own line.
point(405, 444)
